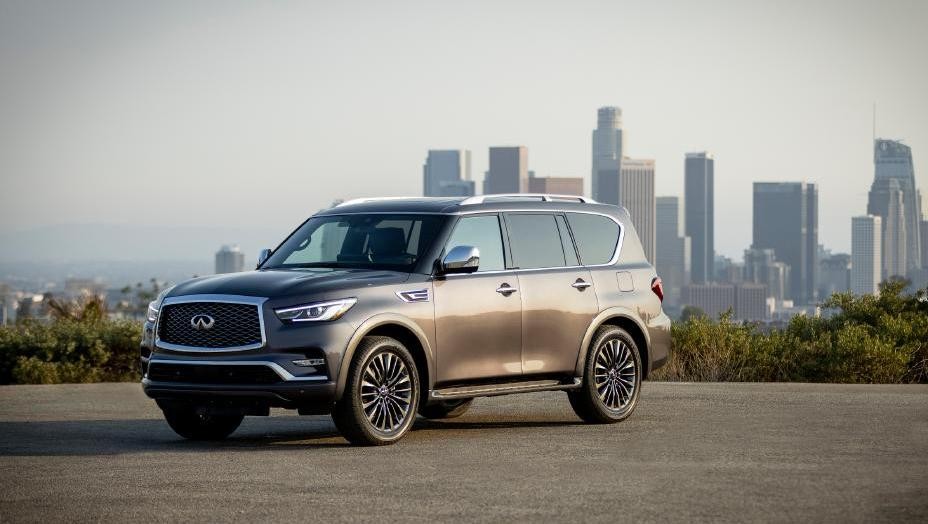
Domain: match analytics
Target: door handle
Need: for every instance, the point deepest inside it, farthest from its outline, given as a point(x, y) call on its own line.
point(580, 284)
point(505, 289)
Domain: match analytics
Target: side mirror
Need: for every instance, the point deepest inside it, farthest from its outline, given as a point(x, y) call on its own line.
point(461, 259)
point(263, 256)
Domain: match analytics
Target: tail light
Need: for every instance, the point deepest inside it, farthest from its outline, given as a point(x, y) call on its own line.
point(657, 286)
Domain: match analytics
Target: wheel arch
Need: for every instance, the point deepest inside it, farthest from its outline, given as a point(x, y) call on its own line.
point(625, 319)
point(400, 328)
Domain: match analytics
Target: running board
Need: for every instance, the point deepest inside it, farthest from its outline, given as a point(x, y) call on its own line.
point(489, 390)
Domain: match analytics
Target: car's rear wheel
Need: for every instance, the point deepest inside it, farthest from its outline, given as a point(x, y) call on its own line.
point(611, 379)
point(199, 424)
point(381, 395)
point(446, 408)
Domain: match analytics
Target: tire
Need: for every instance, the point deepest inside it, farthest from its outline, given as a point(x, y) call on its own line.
point(611, 378)
point(194, 424)
point(446, 408)
point(381, 396)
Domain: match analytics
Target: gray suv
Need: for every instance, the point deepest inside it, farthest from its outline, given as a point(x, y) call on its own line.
point(379, 309)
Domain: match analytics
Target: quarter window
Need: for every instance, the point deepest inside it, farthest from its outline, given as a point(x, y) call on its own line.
point(535, 241)
point(597, 237)
point(483, 233)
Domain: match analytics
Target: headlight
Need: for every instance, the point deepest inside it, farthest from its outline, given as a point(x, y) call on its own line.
point(318, 312)
point(154, 307)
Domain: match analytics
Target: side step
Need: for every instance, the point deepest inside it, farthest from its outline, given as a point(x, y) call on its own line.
point(490, 390)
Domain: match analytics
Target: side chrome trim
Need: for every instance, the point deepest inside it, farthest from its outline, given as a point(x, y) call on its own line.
point(277, 368)
point(258, 302)
point(414, 295)
point(491, 390)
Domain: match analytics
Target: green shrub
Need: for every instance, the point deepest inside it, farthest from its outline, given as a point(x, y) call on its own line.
point(868, 339)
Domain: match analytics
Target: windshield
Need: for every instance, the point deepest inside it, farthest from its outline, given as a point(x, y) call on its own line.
point(392, 242)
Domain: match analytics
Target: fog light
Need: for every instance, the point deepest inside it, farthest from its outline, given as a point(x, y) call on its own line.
point(309, 362)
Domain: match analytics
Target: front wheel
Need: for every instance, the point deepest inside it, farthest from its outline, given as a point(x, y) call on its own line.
point(381, 396)
point(611, 378)
point(198, 424)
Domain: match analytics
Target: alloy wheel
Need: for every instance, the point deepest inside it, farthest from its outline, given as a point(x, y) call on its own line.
point(386, 392)
point(615, 374)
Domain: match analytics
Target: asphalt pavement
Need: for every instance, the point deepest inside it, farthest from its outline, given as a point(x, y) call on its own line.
point(691, 452)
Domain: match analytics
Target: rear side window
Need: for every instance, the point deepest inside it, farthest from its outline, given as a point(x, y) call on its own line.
point(535, 241)
point(597, 237)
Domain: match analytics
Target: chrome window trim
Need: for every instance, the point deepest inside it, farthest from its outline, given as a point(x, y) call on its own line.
point(225, 299)
point(277, 368)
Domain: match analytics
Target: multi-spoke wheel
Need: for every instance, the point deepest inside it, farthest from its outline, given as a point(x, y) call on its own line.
point(611, 378)
point(381, 395)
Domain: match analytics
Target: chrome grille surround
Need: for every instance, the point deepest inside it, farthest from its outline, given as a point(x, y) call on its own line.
point(256, 302)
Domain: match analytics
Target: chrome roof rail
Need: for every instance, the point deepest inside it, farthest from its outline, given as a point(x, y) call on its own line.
point(480, 199)
point(374, 199)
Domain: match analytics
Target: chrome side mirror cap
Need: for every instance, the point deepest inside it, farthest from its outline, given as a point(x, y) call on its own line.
point(263, 256)
point(461, 259)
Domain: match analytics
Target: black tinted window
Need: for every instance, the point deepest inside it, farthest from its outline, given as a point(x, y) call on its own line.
point(483, 233)
point(596, 236)
point(535, 241)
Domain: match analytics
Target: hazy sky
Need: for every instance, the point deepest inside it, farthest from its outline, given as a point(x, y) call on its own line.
point(258, 114)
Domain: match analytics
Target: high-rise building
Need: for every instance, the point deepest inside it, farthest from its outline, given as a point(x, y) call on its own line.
point(508, 171)
point(447, 173)
point(712, 298)
point(699, 199)
point(923, 229)
point(834, 275)
point(886, 201)
point(636, 193)
point(672, 250)
point(608, 148)
point(786, 220)
point(230, 259)
point(751, 301)
point(554, 185)
point(893, 159)
point(762, 267)
point(866, 254)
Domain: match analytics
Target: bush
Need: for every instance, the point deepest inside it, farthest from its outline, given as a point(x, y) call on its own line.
point(868, 339)
point(69, 350)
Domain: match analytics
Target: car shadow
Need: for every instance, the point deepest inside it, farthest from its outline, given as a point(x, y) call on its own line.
point(266, 434)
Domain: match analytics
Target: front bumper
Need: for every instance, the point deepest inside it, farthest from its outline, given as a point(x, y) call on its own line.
point(317, 397)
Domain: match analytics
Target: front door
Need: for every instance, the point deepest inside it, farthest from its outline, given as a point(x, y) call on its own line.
point(478, 316)
point(558, 302)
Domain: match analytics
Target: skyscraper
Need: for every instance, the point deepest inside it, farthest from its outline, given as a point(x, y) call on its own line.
point(866, 254)
point(636, 193)
point(762, 267)
point(447, 173)
point(699, 201)
point(230, 259)
point(886, 201)
point(786, 221)
point(608, 147)
point(834, 275)
point(893, 159)
point(556, 185)
point(672, 251)
point(508, 171)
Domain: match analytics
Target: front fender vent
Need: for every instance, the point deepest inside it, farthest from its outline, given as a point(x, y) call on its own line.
point(415, 295)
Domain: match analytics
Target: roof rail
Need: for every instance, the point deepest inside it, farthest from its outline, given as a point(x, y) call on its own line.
point(372, 199)
point(516, 196)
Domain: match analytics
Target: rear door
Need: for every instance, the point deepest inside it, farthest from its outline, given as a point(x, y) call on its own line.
point(478, 316)
point(558, 302)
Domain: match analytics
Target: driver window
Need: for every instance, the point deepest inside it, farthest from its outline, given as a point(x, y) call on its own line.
point(482, 232)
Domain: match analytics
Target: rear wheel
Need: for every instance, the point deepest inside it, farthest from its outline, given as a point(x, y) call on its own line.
point(611, 378)
point(446, 408)
point(198, 424)
point(381, 396)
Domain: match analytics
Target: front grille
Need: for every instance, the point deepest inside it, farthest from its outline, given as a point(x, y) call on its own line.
point(235, 325)
point(212, 374)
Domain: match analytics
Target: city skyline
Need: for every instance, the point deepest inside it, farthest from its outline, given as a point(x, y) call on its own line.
point(287, 94)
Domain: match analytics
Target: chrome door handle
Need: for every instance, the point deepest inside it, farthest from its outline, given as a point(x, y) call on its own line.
point(581, 284)
point(505, 289)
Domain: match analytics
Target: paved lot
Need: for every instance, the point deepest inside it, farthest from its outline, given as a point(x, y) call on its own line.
point(706, 452)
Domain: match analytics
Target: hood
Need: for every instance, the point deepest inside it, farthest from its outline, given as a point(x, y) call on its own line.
point(275, 283)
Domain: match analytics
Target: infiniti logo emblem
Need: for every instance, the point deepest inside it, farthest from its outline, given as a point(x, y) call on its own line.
point(202, 322)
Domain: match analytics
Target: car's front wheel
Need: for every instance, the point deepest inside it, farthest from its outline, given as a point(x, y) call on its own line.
point(611, 378)
point(198, 424)
point(381, 395)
